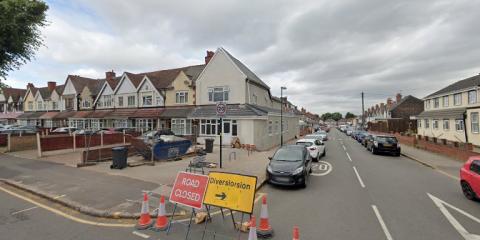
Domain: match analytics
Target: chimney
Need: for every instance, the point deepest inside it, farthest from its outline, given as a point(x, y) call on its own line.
point(209, 56)
point(389, 102)
point(110, 75)
point(51, 86)
point(30, 85)
point(398, 97)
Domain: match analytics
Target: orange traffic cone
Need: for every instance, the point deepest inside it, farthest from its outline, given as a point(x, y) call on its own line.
point(296, 233)
point(162, 222)
point(252, 234)
point(145, 221)
point(264, 229)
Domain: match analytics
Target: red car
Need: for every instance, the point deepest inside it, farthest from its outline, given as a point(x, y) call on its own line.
point(470, 178)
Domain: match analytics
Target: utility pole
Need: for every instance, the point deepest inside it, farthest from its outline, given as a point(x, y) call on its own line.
point(363, 111)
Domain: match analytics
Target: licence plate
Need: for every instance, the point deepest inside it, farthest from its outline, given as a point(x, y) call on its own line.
point(282, 179)
point(387, 145)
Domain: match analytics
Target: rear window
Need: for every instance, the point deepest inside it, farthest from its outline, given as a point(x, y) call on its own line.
point(383, 139)
point(306, 144)
point(284, 154)
point(475, 166)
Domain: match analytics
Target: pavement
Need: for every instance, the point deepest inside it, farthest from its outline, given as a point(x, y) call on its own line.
point(103, 192)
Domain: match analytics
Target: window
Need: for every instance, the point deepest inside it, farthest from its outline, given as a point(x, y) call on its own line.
point(131, 100)
point(445, 101)
point(459, 125)
point(218, 94)
point(54, 105)
point(446, 124)
point(270, 127)
point(457, 99)
point(472, 97)
point(234, 128)
point(147, 100)
point(427, 123)
point(30, 105)
point(145, 124)
point(254, 99)
point(427, 104)
point(39, 105)
point(120, 101)
point(277, 127)
point(86, 103)
point(181, 126)
point(474, 122)
point(107, 100)
point(475, 166)
point(181, 97)
point(436, 102)
point(435, 124)
point(159, 101)
point(419, 124)
point(208, 126)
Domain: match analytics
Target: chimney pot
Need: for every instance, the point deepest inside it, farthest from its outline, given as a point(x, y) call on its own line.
point(51, 86)
point(30, 85)
point(398, 97)
point(209, 56)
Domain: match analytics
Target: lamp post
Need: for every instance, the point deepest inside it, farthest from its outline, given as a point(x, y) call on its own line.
point(281, 115)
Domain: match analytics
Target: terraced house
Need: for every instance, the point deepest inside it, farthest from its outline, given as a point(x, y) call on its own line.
point(11, 104)
point(452, 113)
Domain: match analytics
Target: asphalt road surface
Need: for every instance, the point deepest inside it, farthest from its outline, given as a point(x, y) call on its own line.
point(351, 195)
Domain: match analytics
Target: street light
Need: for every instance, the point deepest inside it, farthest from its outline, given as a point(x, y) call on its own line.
point(281, 115)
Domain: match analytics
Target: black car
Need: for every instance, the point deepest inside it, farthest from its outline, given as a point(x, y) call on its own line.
point(291, 165)
point(368, 138)
point(384, 144)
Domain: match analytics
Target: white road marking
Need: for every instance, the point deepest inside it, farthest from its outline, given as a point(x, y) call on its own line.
point(382, 223)
point(35, 207)
point(141, 234)
point(455, 223)
point(322, 166)
point(359, 178)
point(344, 148)
point(349, 158)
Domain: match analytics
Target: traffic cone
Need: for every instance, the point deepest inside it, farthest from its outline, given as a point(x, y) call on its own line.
point(145, 221)
point(252, 234)
point(162, 222)
point(264, 229)
point(296, 233)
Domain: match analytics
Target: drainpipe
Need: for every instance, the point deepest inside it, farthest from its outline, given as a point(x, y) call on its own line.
point(248, 90)
point(465, 125)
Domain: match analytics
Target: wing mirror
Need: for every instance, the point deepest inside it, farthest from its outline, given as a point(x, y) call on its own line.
point(270, 158)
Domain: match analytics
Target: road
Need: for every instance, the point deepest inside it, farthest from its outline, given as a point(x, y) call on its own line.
point(364, 196)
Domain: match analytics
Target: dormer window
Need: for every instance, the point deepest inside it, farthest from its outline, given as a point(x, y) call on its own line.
point(218, 94)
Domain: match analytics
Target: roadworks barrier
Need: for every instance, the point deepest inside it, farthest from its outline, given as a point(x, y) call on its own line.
point(264, 229)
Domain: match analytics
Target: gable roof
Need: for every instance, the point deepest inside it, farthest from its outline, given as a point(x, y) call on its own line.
point(96, 86)
point(80, 82)
point(460, 85)
point(409, 97)
point(59, 89)
point(44, 92)
point(15, 93)
point(164, 78)
point(250, 75)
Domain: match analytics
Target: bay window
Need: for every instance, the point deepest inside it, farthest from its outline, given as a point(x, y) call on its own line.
point(181, 126)
point(209, 126)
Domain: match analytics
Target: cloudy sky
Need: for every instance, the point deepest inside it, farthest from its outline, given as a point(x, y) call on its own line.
point(325, 52)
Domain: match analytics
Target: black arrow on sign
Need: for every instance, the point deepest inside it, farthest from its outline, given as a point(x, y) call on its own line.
point(221, 196)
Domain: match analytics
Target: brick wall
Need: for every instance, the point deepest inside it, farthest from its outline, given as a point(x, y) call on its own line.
point(3, 139)
point(60, 142)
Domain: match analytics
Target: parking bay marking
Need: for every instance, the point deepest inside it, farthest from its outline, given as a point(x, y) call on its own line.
point(323, 166)
point(359, 178)
point(455, 223)
point(382, 223)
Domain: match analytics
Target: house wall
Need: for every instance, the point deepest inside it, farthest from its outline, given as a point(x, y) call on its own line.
point(69, 90)
point(86, 95)
point(147, 89)
point(451, 134)
point(451, 100)
point(262, 96)
point(107, 90)
point(54, 97)
point(221, 71)
point(473, 137)
point(29, 98)
point(125, 90)
point(181, 83)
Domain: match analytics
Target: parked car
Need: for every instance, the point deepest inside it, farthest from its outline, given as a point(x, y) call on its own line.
point(384, 144)
point(64, 130)
point(366, 139)
point(85, 132)
point(322, 134)
point(470, 178)
point(315, 146)
point(291, 165)
point(349, 131)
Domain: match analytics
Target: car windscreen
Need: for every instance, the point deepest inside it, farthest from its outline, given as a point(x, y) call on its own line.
point(289, 155)
point(390, 140)
point(306, 144)
point(311, 137)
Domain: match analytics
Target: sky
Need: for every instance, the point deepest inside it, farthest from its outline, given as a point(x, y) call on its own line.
point(325, 52)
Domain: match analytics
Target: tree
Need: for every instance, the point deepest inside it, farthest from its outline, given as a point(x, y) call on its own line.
point(350, 115)
point(326, 116)
point(336, 116)
point(20, 23)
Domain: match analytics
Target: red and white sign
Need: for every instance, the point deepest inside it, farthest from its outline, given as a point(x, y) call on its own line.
point(221, 109)
point(189, 189)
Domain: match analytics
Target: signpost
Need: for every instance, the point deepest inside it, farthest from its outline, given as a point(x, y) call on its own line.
point(188, 190)
point(233, 191)
point(221, 110)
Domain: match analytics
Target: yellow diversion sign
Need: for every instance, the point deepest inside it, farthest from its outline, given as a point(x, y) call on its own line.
point(230, 190)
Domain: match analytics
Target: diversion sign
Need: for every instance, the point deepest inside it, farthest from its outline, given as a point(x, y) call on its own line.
point(229, 190)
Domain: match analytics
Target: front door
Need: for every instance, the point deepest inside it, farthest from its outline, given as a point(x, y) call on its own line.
point(227, 132)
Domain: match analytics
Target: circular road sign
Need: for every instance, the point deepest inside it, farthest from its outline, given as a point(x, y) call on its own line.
point(221, 109)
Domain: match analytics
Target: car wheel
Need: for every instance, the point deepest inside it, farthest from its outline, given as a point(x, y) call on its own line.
point(324, 153)
point(397, 154)
point(468, 191)
point(304, 183)
point(373, 151)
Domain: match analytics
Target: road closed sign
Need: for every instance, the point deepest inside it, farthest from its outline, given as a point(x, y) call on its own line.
point(232, 191)
point(189, 189)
